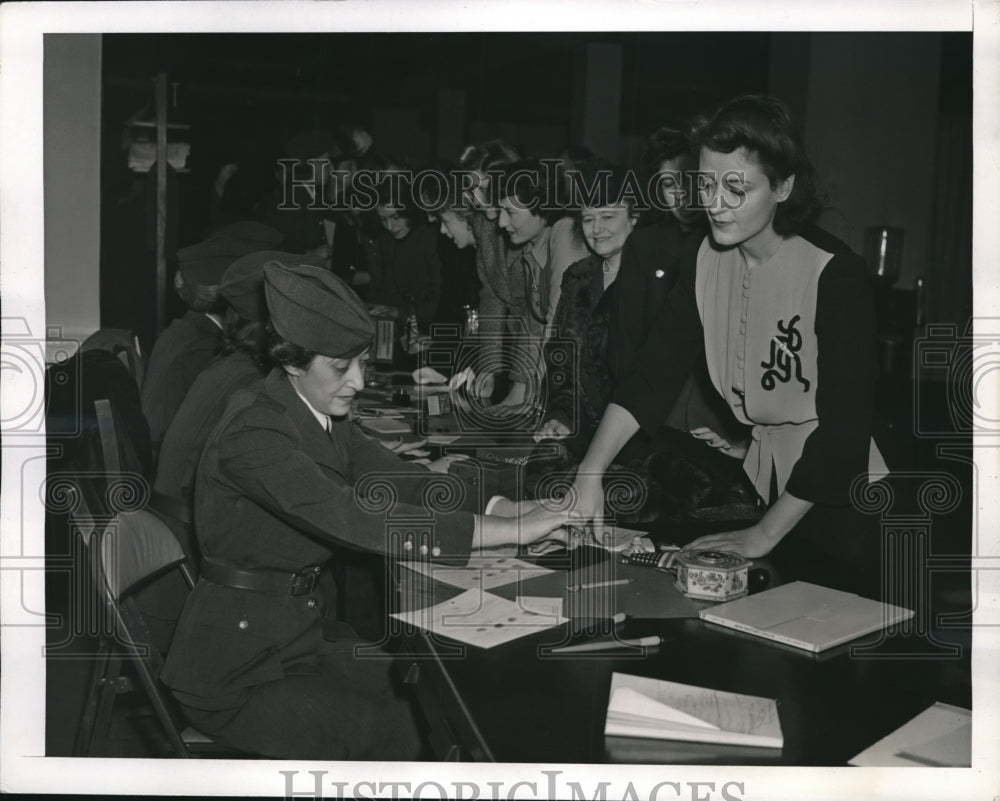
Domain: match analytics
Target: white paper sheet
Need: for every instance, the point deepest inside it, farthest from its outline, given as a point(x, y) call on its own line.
point(551, 607)
point(941, 734)
point(480, 618)
point(485, 572)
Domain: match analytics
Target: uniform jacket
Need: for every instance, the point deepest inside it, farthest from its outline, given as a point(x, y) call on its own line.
point(275, 491)
point(181, 352)
point(202, 407)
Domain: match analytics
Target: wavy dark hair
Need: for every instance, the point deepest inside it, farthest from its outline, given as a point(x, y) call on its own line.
point(528, 182)
point(765, 128)
point(670, 141)
point(434, 201)
point(199, 297)
point(284, 353)
point(242, 335)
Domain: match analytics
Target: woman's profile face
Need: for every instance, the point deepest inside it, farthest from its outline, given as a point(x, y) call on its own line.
point(330, 384)
point(457, 229)
point(394, 223)
point(521, 224)
point(739, 197)
point(606, 228)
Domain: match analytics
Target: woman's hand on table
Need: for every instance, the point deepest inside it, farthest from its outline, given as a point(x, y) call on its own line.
point(399, 446)
point(444, 463)
point(428, 375)
point(553, 429)
point(536, 524)
point(750, 542)
point(738, 450)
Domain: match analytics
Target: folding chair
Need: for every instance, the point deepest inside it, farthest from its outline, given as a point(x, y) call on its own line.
point(124, 345)
point(126, 553)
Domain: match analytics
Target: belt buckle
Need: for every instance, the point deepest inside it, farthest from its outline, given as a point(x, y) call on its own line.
point(304, 582)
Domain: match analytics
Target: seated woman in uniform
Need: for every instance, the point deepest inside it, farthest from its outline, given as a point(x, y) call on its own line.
point(285, 478)
point(785, 316)
point(242, 361)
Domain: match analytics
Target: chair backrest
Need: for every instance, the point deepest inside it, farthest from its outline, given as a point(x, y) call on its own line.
point(135, 548)
point(124, 345)
point(128, 553)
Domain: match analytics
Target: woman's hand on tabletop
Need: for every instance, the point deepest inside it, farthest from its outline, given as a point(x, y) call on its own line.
point(443, 464)
point(428, 375)
point(553, 429)
point(523, 529)
point(399, 446)
point(750, 542)
point(738, 450)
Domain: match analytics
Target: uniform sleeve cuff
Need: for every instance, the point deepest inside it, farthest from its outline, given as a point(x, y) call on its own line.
point(493, 502)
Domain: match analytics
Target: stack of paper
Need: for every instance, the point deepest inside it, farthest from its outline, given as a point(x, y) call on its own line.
point(665, 710)
point(940, 736)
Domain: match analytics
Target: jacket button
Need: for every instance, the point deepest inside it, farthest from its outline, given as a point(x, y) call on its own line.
point(244, 623)
point(311, 603)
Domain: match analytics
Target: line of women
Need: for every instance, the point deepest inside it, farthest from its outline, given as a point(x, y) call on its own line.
point(780, 315)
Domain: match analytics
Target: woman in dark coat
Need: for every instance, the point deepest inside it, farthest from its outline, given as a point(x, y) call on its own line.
point(284, 479)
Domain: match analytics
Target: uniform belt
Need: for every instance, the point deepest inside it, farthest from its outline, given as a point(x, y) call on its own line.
point(301, 582)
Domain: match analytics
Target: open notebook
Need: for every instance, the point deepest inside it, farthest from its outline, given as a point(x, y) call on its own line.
point(806, 615)
point(665, 710)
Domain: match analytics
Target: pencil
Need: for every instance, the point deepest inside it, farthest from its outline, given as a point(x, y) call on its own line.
point(606, 645)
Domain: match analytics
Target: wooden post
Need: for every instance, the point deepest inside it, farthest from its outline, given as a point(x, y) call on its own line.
point(161, 201)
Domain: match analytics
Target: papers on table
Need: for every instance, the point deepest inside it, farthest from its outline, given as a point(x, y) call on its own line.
point(552, 607)
point(386, 425)
point(940, 736)
point(617, 538)
point(481, 619)
point(442, 439)
point(482, 572)
point(644, 707)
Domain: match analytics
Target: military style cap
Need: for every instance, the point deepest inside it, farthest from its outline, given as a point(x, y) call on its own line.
point(253, 233)
point(314, 309)
point(204, 262)
point(243, 281)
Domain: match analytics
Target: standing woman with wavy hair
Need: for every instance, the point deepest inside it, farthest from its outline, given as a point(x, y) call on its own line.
point(785, 317)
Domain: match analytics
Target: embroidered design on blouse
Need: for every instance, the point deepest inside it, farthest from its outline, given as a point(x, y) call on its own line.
point(784, 357)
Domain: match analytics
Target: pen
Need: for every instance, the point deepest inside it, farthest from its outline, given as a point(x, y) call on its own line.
point(605, 645)
point(593, 585)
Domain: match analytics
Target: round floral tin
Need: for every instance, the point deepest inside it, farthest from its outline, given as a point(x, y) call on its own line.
point(712, 575)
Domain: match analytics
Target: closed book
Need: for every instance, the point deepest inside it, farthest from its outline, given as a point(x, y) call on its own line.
point(666, 710)
point(806, 615)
